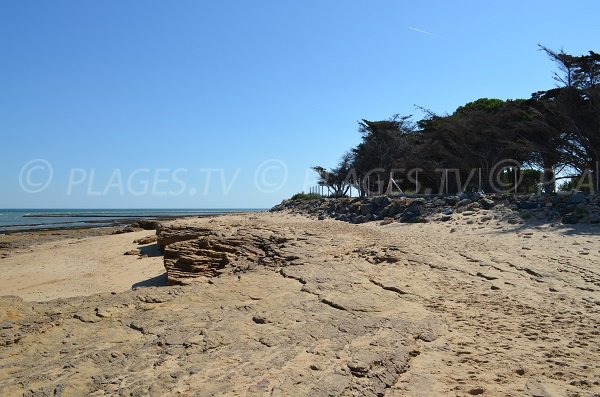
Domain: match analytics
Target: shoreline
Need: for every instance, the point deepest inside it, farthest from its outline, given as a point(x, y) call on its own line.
point(16, 242)
point(65, 218)
point(113, 224)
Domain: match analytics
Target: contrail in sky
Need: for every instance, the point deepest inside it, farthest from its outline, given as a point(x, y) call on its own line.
point(423, 31)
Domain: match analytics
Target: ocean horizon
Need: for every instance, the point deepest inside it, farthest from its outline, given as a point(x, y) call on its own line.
point(24, 219)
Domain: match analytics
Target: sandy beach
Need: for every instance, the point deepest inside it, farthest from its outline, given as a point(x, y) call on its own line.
point(79, 266)
point(300, 199)
point(467, 307)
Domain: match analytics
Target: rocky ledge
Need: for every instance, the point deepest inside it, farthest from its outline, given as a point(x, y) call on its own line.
point(193, 253)
point(568, 208)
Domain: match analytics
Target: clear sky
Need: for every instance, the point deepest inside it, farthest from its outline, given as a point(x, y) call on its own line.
point(196, 104)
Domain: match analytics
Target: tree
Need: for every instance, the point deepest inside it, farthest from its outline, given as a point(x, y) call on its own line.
point(383, 143)
point(339, 179)
point(480, 134)
point(574, 109)
point(565, 63)
point(556, 128)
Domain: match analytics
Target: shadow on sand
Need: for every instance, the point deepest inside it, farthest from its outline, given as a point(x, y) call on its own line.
point(578, 229)
point(157, 281)
point(151, 250)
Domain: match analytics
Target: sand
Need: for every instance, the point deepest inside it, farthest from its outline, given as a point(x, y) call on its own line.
point(467, 307)
point(80, 266)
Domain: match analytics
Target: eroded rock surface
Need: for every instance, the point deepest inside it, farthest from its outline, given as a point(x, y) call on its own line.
point(287, 306)
point(209, 253)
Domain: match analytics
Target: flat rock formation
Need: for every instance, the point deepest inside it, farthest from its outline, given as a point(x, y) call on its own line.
point(282, 305)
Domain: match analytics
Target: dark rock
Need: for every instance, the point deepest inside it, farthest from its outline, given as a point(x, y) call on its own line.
point(415, 206)
point(366, 209)
point(380, 201)
point(359, 219)
point(395, 208)
point(410, 216)
point(570, 219)
point(147, 224)
point(507, 207)
point(383, 213)
point(127, 229)
point(527, 205)
point(486, 203)
point(578, 198)
point(452, 200)
point(462, 203)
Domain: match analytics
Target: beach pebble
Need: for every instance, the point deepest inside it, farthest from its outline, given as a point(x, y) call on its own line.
point(87, 317)
point(6, 324)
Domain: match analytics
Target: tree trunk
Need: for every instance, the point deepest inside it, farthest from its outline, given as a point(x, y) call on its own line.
point(548, 175)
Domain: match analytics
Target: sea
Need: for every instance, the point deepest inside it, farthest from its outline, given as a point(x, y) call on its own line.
point(19, 220)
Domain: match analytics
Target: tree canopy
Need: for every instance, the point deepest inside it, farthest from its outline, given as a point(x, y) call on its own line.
point(558, 128)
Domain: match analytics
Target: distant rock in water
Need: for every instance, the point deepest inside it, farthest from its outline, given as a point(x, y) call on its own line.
point(147, 224)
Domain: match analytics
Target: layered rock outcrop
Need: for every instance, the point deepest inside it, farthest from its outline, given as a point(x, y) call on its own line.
point(198, 253)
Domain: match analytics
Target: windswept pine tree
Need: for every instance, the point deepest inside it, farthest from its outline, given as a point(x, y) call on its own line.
point(554, 129)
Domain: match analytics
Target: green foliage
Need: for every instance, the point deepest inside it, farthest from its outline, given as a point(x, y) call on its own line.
point(483, 104)
point(581, 212)
point(339, 179)
point(579, 183)
point(306, 196)
point(556, 128)
point(529, 181)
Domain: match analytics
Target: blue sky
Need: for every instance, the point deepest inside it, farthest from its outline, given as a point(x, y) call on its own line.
point(255, 91)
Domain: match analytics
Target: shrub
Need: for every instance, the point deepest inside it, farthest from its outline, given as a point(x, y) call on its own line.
point(306, 196)
point(581, 212)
